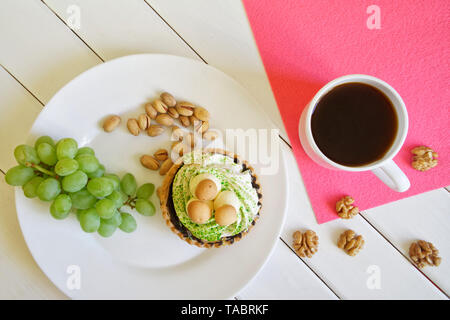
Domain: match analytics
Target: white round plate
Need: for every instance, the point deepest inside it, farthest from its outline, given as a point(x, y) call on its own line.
point(152, 262)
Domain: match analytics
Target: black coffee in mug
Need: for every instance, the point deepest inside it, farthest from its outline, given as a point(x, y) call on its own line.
point(354, 124)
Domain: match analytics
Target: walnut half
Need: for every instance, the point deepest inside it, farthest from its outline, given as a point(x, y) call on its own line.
point(351, 243)
point(424, 253)
point(424, 158)
point(306, 244)
point(345, 208)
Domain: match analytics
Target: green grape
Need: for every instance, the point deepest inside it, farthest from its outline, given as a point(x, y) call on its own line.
point(66, 166)
point(107, 228)
point(89, 220)
point(47, 153)
point(66, 148)
point(100, 187)
point(24, 154)
point(118, 198)
point(85, 150)
point(128, 184)
point(19, 175)
point(61, 206)
point(44, 139)
point(58, 215)
point(48, 189)
point(88, 163)
point(74, 181)
point(97, 173)
point(145, 191)
point(83, 199)
point(29, 188)
point(79, 212)
point(105, 208)
point(116, 218)
point(63, 203)
point(145, 207)
point(115, 180)
point(128, 223)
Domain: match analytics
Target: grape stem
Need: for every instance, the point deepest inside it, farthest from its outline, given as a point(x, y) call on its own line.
point(39, 168)
point(131, 202)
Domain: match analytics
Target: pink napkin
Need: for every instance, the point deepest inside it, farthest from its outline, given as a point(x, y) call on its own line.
point(305, 44)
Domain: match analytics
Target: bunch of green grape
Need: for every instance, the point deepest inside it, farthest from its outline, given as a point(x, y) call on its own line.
point(73, 180)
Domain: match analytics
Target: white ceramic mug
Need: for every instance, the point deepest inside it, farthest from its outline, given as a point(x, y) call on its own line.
point(385, 169)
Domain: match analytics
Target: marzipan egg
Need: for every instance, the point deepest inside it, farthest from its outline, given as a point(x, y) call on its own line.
point(199, 211)
point(226, 215)
point(205, 190)
point(210, 204)
point(227, 197)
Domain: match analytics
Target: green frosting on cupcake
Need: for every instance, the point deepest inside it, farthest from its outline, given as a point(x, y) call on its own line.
point(231, 178)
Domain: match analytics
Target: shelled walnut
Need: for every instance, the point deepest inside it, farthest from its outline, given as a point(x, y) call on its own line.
point(350, 243)
point(424, 158)
point(306, 244)
point(424, 253)
point(345, 208)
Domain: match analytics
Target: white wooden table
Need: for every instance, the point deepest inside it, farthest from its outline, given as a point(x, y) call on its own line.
point(40, 52)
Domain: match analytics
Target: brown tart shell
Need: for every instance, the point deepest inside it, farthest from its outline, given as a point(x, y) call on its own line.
point(174, 223)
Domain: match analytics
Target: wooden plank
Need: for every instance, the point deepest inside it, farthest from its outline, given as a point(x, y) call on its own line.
point(58, 55)
point(422, 217)
point(20, 277)
point(120, 27)
point(219, 32)
point(19, 109)
point(349, 276)
point(284, 277)
point(40, 51)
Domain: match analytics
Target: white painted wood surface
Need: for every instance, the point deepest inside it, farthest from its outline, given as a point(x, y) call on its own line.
point(20, 277)
point(423, 217)
point(41, 53)
point(121, 27)
point(18, 110)
point(283, 278)
point(348, 276)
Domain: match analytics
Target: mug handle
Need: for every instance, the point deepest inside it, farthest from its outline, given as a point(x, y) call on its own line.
point(392, 176)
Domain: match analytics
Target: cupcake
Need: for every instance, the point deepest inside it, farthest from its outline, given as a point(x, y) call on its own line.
point(210, 198)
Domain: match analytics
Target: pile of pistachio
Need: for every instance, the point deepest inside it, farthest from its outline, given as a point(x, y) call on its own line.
point(164, 113)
